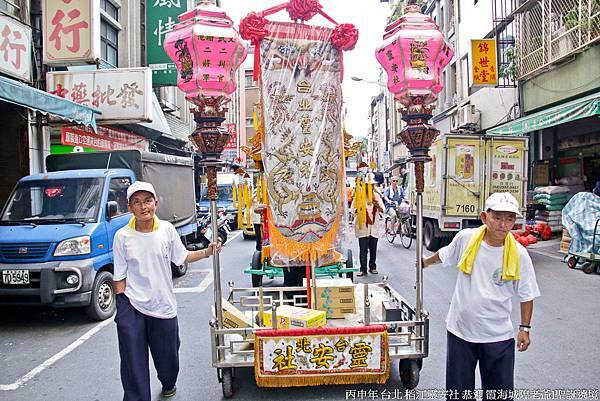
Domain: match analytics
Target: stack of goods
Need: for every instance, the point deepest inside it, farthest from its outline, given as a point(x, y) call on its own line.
point(573, 184)
point(335, 297)
point(554, 198)
point(551, 218)
point(291, 317)
point(565, 243)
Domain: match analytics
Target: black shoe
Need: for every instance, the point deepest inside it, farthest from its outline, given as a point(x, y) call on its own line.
point(373, 270)
point(168, 393)
point(361, 273)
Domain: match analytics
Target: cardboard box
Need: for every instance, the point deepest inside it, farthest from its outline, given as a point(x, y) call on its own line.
point(290, 317)
point(334, 288)
point(338, 312)
point(233, 318)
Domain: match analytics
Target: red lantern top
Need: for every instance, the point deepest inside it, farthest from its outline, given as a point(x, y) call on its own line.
point(207, 52)
point(413, 54)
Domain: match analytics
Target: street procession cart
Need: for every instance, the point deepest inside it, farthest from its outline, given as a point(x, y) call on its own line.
point(316, 332)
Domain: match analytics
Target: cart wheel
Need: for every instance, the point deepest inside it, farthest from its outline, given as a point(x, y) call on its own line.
point(409, 373)
point(256, 265)
point(588, 267)
point(572, 262)
point(227, 382)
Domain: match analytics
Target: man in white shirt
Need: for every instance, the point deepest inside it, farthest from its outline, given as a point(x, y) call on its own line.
point(492, 269)
point(146, 306)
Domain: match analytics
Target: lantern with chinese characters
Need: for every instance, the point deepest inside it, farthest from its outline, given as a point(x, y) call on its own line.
point(207, 52)
point(413, 54)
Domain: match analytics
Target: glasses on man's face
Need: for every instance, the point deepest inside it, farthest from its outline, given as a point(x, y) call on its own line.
point(396, 181)
point(145, 202)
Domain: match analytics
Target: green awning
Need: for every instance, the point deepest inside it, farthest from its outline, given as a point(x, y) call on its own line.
point(46, 103)
point(588, 106)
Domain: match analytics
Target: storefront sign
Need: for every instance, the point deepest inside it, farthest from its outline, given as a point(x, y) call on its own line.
point(485, 66)
point(507, 167)
point(161, 16)
point(300, 357)
point(15, 48)
point(107, 138)
point(230, 151)
point(71, 31)
point(121, 94)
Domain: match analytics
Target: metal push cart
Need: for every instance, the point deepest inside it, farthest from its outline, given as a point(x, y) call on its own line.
point(408, 328)
point(590, 261)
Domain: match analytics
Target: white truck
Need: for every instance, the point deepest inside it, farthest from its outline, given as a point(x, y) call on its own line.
point(464, 170)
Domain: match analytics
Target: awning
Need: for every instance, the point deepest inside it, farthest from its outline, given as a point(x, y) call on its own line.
point(46, 103)
point(588, 106)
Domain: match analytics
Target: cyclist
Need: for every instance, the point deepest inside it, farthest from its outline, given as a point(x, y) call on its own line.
point(392, 197)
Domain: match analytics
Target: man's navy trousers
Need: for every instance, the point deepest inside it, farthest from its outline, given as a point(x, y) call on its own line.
point(137, 333)
point(496, 365)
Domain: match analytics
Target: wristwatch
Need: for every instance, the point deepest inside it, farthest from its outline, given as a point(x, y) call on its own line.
point(525, 328)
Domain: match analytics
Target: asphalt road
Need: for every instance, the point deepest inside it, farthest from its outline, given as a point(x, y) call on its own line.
point(61, 355)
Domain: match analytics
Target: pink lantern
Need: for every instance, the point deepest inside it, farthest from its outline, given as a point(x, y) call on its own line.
point(413, 54)
point(207, 52)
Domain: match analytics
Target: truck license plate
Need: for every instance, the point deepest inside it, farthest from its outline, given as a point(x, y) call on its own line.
point(15, 277)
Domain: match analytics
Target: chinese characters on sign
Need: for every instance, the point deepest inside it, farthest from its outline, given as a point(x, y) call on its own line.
point(107, 138)
point(71, 30)
point(122, 94)
point(323, 354)
point(230, 151)
point(15, 48)
point(161, 16)
point(485, 67)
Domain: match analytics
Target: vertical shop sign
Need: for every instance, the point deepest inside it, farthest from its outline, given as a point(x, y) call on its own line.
point(485, 65)
point(15, 48)
point(230, 151)
point(71, 31)
point(161, 17)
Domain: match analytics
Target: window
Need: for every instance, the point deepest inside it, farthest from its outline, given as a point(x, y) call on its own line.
point(10, 7)
point(117, 192)
point(109, 35)
point(110, 9)
point(249, 80)
point(453, 80)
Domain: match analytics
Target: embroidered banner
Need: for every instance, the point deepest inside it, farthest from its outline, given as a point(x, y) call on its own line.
point(308, 357)
point(303, 144)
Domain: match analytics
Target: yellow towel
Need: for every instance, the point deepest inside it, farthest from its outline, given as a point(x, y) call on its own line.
point(510, 262)
point(131, 223)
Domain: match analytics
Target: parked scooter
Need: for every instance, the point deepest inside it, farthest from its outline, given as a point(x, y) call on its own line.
point(205, 230)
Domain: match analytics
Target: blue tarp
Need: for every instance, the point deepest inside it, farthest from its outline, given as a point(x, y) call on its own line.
point(579, 218)
point(46, 103)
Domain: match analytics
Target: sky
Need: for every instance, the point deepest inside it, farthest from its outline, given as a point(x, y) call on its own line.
point(369, 17)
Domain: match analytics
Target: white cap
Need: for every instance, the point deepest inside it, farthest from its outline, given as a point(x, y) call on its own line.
point(140, 186)
point(502, 202)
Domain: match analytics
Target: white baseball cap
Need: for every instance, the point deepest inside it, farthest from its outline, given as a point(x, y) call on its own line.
point(140, 186)
point(503, 202)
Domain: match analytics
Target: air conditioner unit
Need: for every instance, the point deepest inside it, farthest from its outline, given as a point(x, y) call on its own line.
point(467, 117)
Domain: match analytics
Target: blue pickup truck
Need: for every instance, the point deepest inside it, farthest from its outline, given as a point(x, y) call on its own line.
point(57, 228)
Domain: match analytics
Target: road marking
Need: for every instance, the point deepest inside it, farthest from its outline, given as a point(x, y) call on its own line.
point(237, 234)
point(56, 357)
point(207, 281)
point(200, 287)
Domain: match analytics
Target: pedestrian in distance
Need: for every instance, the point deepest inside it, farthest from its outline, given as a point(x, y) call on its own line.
point(146, 306)
point(493, 268)
point(372, 229)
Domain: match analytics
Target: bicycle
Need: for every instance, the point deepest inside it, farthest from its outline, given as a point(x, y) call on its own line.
point(403, 227)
